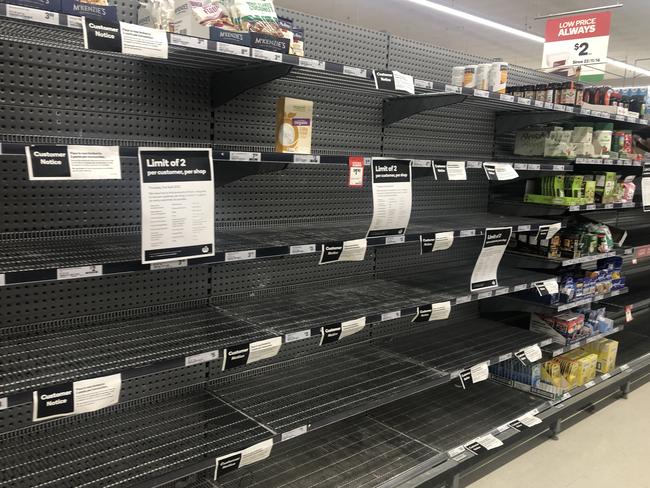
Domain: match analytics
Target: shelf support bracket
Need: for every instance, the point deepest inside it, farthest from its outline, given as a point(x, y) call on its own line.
point(400, 108)
point(511, 121)
point(229, 84)
point(625, 390)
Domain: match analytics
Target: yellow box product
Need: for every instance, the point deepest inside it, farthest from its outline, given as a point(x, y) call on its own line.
point(606, 350)
point(586, 365)
point(294, 125)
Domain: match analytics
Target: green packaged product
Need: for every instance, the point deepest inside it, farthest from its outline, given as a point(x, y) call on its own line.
point(589, 191)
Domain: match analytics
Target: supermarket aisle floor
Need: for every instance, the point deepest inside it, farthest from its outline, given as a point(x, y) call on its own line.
point(611, 446)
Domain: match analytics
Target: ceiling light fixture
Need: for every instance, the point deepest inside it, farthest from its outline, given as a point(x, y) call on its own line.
point(511, 30)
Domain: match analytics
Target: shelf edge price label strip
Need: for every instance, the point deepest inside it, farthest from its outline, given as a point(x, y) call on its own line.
point(231, 462)
point(484, 275)
point(121, 37)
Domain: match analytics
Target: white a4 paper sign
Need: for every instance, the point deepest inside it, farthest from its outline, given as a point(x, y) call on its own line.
point(391, 197)
point(486, 267)
point(177, 195)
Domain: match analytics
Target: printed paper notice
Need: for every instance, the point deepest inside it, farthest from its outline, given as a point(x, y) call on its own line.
point(244, 354)
point(335, 333)
point(435, 311)
point(73, 162)
point(177, 198)
point(253, 454)
point(645, 187)
point(392, 197)
point(548, 231)
point(500, 171)
point(440, 241)
point(75, 398)
point(333, 252)
point(487, 264)
point(450, 170)
point(124, 38)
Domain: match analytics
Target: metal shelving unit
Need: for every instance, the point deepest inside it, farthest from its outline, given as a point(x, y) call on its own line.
point(166, 329)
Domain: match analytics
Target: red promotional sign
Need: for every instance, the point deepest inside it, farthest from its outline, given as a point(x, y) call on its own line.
point(356, 164)
point(578, 27)
point(576, 46)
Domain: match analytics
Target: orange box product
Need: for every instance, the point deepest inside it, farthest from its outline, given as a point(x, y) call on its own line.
point(294, 125)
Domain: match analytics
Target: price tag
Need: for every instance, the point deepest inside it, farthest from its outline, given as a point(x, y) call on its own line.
point(180, 263)
point(245, 156)
point(74, 22)
point(428, 85)
point(520, 288)
point(395, 240)
point(484, 295)
point(606, 376)
point(625, 367)
point(201, 358)
point(420, 163)
point(304, 249)
point(453, 89)
point(79, 272)
point(620, 118)
point(294, 433)
point(589, 384)
point(240, 256)
point(523, 228)
point(628, 313)
point(189, 41)
point(461, 300)
point(559, 167)
point(590, 207)
point(585, 111)
point(539, 104)
point(534, 167)
point(574, 208)
point(568, 109)
point(456, 451)
point(505, 357)
point(32, 14)
point(4, 403)
point(468, 233)
point(524, 101)
point(609, 206)
point(297, 336)
point(521, 166)
point(311, 63)
point(643, 121)
point(506, 98)
point(558, 106)
point(267, 55)
point(391, 315)
point(3, 281)
point(233, 49)
point(481, 93)
point(356, 72)
point(306, 159)
point(548, 105)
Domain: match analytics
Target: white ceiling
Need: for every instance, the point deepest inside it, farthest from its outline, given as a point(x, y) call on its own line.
point(629, 42)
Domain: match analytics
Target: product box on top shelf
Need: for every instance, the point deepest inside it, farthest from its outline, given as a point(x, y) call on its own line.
point(51, 5)
point(564, 329)
point(94, 10)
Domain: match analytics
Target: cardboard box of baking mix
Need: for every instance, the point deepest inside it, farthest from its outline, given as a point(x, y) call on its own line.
point(294, 125)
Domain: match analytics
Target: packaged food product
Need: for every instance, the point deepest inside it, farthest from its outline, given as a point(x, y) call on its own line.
point(458, 75)
point(540, 92)
point(499, 77)
point(483, 76)
point(602, 139)
point(294, 125)
point(298, 44)
point(213, 15)
point(256, 16)
point(469, 77)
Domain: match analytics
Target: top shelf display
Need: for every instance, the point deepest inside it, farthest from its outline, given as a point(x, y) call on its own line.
point(248, 67)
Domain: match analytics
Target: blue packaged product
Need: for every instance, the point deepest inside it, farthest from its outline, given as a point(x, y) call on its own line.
point(92, 11)
point(51, 5)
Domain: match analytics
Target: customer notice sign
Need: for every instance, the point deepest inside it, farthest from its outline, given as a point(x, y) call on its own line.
point(177, 201)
